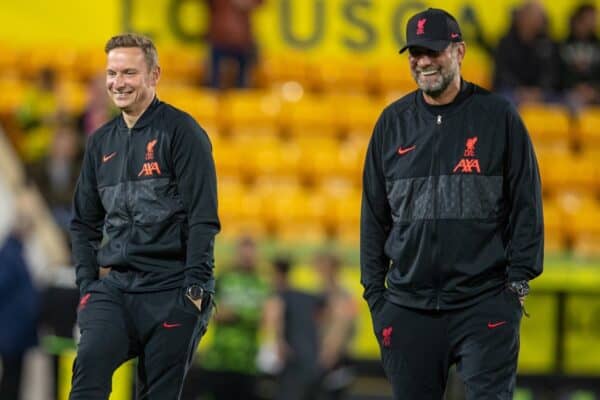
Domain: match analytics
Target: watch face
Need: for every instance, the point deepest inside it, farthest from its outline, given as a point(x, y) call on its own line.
point(195, 292)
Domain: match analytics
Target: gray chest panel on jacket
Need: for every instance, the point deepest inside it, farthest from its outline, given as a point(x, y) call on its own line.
point(453, 196)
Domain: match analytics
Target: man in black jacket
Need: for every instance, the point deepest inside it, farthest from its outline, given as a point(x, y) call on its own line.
point(452, 219)
point(145, 213)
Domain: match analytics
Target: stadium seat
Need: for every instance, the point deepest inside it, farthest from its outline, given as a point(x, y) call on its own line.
point(250, 112)
point(181, 65)
point(340, 75)
point(548, 125)
point(393, 76)
point(202, 104)
point(311, 115)
point(227, 159)
point(301, 232)
point(477, 68)
point(72, 96)
point(12, 94)
point(276, 69)
point(554, 229)
point(586, 228)
point(589, 128)
point(556, 165)
point(356, 114)
point(352, 153)
point(265, 156)
point(319, 157)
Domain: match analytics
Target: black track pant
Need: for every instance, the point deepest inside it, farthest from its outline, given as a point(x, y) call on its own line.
point(418, 347)
point(161, 328)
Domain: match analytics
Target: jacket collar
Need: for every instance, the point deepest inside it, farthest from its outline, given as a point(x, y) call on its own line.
point(145, 118)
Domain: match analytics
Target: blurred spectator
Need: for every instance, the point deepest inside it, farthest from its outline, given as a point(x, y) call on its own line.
point(580, 56)
point(56, 173)
point(19, 304)
point(527, 62)
point(231, 40)
point(337, 328)
point(98, 109)
point(292, 318)
point(230, 361)
point(36, 115)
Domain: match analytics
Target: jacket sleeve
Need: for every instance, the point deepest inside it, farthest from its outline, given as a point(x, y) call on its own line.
point(87, 222)
point(197, 185)
point(375, 221)
point(526, 225)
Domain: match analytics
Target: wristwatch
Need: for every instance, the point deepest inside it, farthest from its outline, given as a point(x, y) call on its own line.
point(521, 288)
point(195, 292)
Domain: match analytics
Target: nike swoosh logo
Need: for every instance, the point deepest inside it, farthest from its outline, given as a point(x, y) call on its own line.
point(493, 325)
point(108, 156)
point(402, 151)
point(169, 326)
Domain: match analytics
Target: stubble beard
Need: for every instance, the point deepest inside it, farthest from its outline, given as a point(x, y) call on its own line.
point(436, 89)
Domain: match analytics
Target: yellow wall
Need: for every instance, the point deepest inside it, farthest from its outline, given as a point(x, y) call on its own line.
point(347, 26)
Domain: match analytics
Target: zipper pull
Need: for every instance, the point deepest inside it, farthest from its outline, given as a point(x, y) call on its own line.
point(439, 119)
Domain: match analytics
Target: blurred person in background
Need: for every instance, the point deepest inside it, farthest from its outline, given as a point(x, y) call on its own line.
point(37, 115)
point(56, 173)
point(338, 319)
point(452, 220)
point(19, 307)
point(145, 212)
point(292, 323)
point(231, 40)
point(229, 363)
point(526, 59)
point(580, 56)
point(98, 109)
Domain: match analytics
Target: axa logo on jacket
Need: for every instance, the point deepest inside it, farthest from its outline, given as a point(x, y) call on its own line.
point(468, 164)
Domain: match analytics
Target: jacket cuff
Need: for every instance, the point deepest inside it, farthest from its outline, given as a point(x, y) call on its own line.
point(83, 286)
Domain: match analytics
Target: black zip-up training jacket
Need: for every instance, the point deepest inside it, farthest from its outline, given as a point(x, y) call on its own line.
point(451, 206)
point(146, 204)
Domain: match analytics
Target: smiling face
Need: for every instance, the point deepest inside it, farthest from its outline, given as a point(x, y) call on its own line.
point(130, 82)
point(434, 71)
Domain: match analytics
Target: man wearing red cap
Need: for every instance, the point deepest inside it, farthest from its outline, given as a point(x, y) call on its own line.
point(452, 220)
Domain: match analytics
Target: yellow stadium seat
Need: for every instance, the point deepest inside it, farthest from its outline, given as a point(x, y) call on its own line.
point(393, 76)
point(234, 228)
point(300, 232)
point(554, 229)
point(356, 114)
point(251, 112)
point(265, 155)
point(348, 233)
point(589, 128)
point(72, 96)
point(344, 208)
point(90, 63)
point(12, 94)
point(352, 153)
point(477, 68)
point(586, 227)
point(319, 157)
point(279, 68)
point(340, 75)
point(548, 125)
point(311, 115)
point(226, 156)
point(562, 171)
point(555, 169)
point(202, 104)
point(181, 65)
